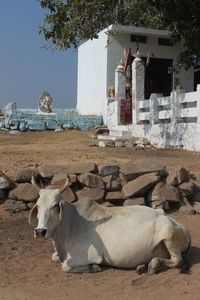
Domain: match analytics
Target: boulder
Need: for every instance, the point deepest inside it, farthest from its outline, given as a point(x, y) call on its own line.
point(25, 175)
point(134, 201)
point(94, 194)
point(5, 182)
point(91, 180)
point(187, 189)
point(196, 196)
point(87, 168)
point(140, 185)
point(132, 170)
point(24, 192)
point(48, 171)
point(164, 192)
point(68, 195)
point(106, 170)
point(13, 206)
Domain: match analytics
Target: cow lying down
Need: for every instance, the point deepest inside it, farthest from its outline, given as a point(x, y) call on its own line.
point(86, 235)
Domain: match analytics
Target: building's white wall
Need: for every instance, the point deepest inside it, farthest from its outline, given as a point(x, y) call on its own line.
point(120, 41)
point(92, 69)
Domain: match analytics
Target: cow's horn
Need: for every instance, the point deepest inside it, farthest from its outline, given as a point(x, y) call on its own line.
point(34, 183)
point(62, 189)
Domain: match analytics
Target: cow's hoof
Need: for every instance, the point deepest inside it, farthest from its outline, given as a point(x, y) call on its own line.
point(141, 269)
point(151, 271)
point(96, 268)
point(55, 257)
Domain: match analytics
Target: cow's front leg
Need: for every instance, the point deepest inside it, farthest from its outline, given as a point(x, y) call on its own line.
point(81, 264)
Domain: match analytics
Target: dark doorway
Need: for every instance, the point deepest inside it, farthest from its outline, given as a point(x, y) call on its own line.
point(158, 78)
point(196, 78)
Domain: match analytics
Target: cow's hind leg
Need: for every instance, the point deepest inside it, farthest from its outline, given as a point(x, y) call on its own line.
point(174, 261)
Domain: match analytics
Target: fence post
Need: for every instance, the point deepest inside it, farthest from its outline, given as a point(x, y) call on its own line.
point(137, 85)
point(153, 108)
point(120, 82)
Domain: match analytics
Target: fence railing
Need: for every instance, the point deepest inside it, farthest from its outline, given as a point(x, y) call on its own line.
point(178, 107)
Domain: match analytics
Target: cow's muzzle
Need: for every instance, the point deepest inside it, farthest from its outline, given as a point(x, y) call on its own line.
point(40, 232)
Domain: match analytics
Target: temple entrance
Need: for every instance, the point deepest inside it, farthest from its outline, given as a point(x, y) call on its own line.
point(158, 78)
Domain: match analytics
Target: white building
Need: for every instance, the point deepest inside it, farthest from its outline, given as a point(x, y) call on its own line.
point(98, 59)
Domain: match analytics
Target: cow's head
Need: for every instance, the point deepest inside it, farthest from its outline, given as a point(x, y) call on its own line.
point(48, 210)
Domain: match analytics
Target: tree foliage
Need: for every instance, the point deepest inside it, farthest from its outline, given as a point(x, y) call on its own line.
point(68, 22)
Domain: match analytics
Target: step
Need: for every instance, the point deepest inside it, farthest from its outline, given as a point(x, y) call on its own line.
point(126, 134)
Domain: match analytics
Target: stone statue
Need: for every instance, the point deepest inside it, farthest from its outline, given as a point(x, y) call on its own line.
point(45, 103)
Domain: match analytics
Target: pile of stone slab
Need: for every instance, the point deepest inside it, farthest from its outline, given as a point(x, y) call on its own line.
point(133, 183)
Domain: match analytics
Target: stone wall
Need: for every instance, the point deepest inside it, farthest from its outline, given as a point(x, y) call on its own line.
point(22, 120)
point(133, 183)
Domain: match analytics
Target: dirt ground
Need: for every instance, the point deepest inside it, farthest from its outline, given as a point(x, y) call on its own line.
point(26, 270)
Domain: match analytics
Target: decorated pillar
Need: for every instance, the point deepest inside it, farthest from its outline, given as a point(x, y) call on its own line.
point(138, 76)
point(120, 82)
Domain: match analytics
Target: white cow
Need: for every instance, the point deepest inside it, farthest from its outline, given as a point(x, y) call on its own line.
point(86, 234)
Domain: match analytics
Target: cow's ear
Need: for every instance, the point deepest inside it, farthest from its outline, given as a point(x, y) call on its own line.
point(33, 213)
point(61, 209)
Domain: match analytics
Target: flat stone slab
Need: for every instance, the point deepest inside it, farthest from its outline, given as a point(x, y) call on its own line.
point(140, 185)
point(48, 171)
point(25, 175)
point(134, 201)
point(68, 195)
point(132, 170)
point(94, 194)
point(91, 180)
point(24, 192)
point(5, 182)
point(86, 168)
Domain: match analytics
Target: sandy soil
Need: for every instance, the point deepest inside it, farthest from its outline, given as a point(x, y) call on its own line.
point(26, 270)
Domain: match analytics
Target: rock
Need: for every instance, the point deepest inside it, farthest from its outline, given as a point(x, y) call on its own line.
point(14, 132)
point(187, 189)
point(140, 185)
point(48, 171)
point(106, 170)
point(101, 130)
point(59, 129)
point(134, 201)
point(104, 144)
point(196, 196)
point(119, 144)
point(107, 181)
point(164, 192)
point(91, 180)
point(9, 109)
point(115, 185)
point(22, 126)
point(68, 126)
point(140, 147)
point(86, 168)
point(115, 197)
point(51, 124)
point(132, 170)
point(5, 182)
point(107, 204)
point(94, 137)
point(68, 195)
point(13, 206)
point(60, 179)
point(94, 194)
point(24, 192)
point(182, 175)
point(25, 175)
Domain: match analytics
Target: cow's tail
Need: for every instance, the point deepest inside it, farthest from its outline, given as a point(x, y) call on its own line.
point(185, 267)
